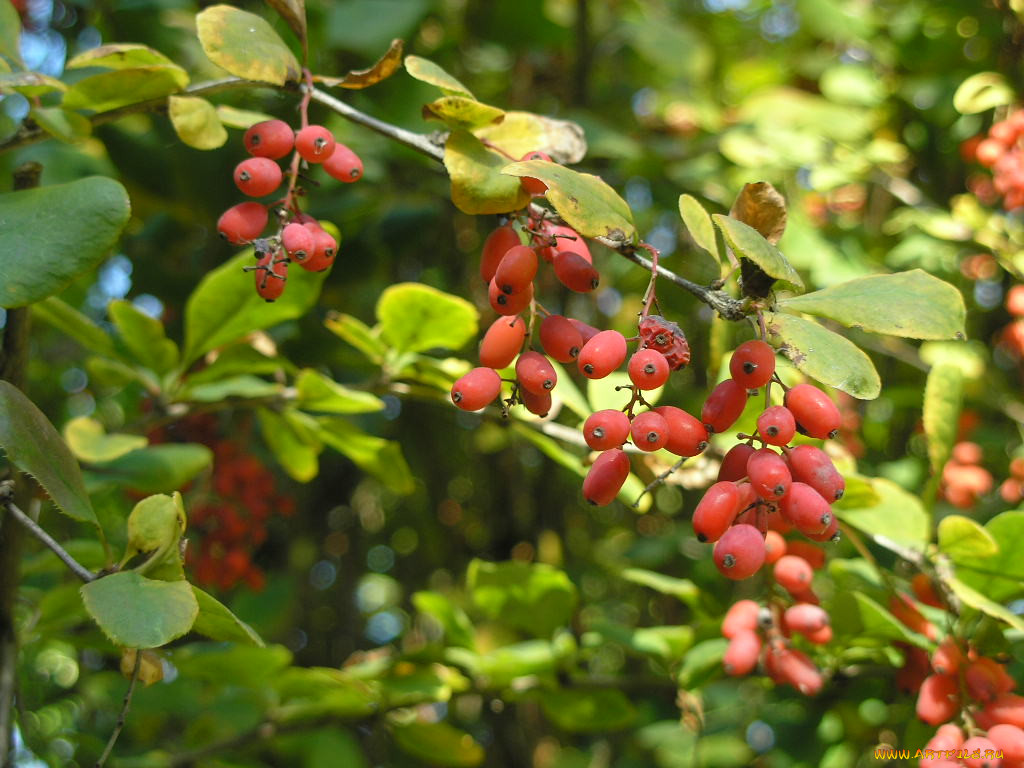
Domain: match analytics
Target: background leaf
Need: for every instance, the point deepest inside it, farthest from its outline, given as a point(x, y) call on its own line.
point(579, 711)
point(429, 72)
point(414, 318)
point(533, 597)
point(943, 392)
point(760, 206)
point(90, 442)
point(897, 515)
point(158, 468)
point(119, 87)
point(981, 92)
point(144, 336)
point(196, 122)
point(523, 132)
point(963, 539)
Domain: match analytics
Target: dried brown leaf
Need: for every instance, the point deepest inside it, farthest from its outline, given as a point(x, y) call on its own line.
point(759, 205)
point(385, 67)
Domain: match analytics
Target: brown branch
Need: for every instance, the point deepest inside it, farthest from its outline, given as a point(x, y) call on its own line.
point(122, 718)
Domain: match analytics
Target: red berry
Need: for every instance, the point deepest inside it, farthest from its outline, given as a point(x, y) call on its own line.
point(649, 431)
point(806, 509)
point(539, 405)
point(605, 478)
point(530, 184)
point(724, 406)
point(752, 364)
point(948, 736)
point(535, 373)
point(813, 554)
point(740, 552)
point(562, 238)
point(938, 700)
point(668, 338)
point(648, 369)
point(734, 463)
point(502, 342)
point(741, 656)
point(258, 176)
point(716, 511)
point(1008, 738)
point(947, 657)
point(742, 616)
point(1007, 708)
point(587, 332)
point(1015, 300)
point(270, 277)
point(687, 436)
point(989, 151)
point(768, 474)
point(774, 547)
point(831, 532)
point(560, 338)
point(575, 272)
point(243, 222)
point(796, 668)
point(987, 751)
point(476, 389)
point(343, 164)
point(776, 425)
point(516, 269)
point(816, 415)
point(271, 138)
point(794, 574)
point(509, 303)
point(602, 354)
point(314, 143)
point(809, 464)
point(326, 247)
point(986, 679)
point(805, 618)
point(606, 429)
point(496, 246)
point(298, 242)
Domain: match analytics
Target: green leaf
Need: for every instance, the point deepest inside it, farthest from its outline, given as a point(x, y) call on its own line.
point(120, 56)
point(857, 614)
point(963, 539)
point(684, 589)
point(897, 516)
point(750, 244)
point(217, 622)
point(316, 392)
point(702, 662)
point(500, 667)
point(30, 83)
point(1000, 576)
point(119, 87)
point(136, 612)
point(295, 449)
point(318, 692)
point(62, 124)
point(225, 306)
point(235, 360)
point(943, 393)
point(245, 45)
point(33, 445)
point(668, 643)
point(584, 201)
point(196, 122)
point(532, 597)
point(462, 113)
point(429, 72)
point(989, 607)
point(414, 317)
point(69, 321)
point(358, 334)
point(244, 665)
point(584, 711)
point(698, 224)
point(240, 118)
point(155, 523)
point(403, 687)
point(144, 336)
point(158, 468)
point(10, 33)
point(458, 629)
point(439, 744)
point(51, 235)
point(478, 184)
point(523, 132)
point(824, 355)
point(911, 304)
point(243, 386)
point(90, 442)
point(376, 456)
point(981, 92)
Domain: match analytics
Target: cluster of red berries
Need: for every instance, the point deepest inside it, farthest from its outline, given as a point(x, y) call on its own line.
point(1012, 335)
point(1001, 151)
point(800, 483)
point(1012, 488)
point(298, 237)
point(964, 480)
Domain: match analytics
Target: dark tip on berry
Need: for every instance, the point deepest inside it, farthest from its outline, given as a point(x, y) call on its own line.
point(591, 502)
point(833, 433)
point(703, 444)
point(660, 339)
point(502, 299)
point(457, 396)
point(701, 538)
point(652, 437)
point(649, 369)
point(764, 618)
point(839, 494)
point(269, 301)
point(709, 428)
point(836, 537)
point(749, 367)
point(594, 283)
point(772, 431)
point(506, 289)
point(597, 432)
point(588, 368)
point(728, 561)
point(779, 490)
point(548, 384)
point(574, 352)
point(826, 519)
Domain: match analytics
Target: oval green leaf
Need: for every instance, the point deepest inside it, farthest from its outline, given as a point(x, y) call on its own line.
point(10, 32)
point(136, 612)
point(246, 45)
point(963, 539)
point(462, 113)
point(1001, 576)
point(51, 235)
point(429, 72)
point(62, 124)
point(980, 602)
point(144, 336)
point(824, 355)
point(981, 92)
point(943, 393)
point(119, 87)
point(912, 304)
point(698, 224)
point(159, 468)
point(374, 455)
point(91, 443)
point(415, 317)
point(439, 744)
point(522, 132)
point(478, 185)
point(68, 320)
point(316, 392)
point(196, 122)
point(30, 83)
point(895, 515)
point(217, 622)
point(296, 449)
point(34, 446)
point(748, 243)
point(240, 118)
point(120, 56)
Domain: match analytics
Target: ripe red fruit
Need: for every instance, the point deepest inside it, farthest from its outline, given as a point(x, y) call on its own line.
point(774, 547)
point(516, 269)
point(794, 574)
point(509, 303)
point(716, 511)
point(602, 354)
point(816, 415)
point(740, 552)
point(805, 509)
point(734, 463)
point(1008, 738)
point(666, 337)
point(796, 668)
point(648, 369)
point(752, 364)
point(948, 736)
point(314, 143)
point(649, 431)
point(560, 338)
point(768, 474)
point(297, 241)
point(476, 389)
point(271, 277)
point(243, 222)
point(813, 554)
point(258, 176)
point(938, 700)
point(606, 429)
point(902, 607)
point(811, 465)
point(989, 151)
point(557, 237)
point(575, 272)
point(1003, 131)
point(724, 406)
point(831, 532)
point(502, 342)
point(986, 679)
point(539, 405)
point(987, 751)
point(496, 246)
point(535, 373)
point(1006, 708)
point(606, 476)
point(534, 186)
point(948, 657)
point(805, 618)
point(1015, 300)
point(820, 636)
point(776, 425)
point(687, 436)
point(343, 164)
point(271, 138)
point(741, 656)
point(324, 251)
point(741, 616)
point(587, 332)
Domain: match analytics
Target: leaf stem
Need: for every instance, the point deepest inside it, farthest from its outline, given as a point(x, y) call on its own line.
point(122, 718)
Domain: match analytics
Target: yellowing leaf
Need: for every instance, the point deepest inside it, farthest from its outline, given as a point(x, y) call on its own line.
point(196, 122)
point(245, 45)
point(478, 184)
point(429, 72)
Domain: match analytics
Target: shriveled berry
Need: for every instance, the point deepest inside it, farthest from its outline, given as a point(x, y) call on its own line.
point(648, 369)
point(560, 338)
point(716, 511)
point(535, 373)
point(666, 337)
point(502, 342)
point(605, 477)
point(258, 176)
point(734, 463)
point(575, 272)
point(271, 138)
point(476, 389)
point(297, 241)
point(516, 269)
point(314, 143)
point(606, 429)
point(816, 415)
point(602, 354)
point(776, 425)
point(496, 246)
point(768, 474)
point(343, 164)
point(740, 552)
point(687, 436)
point(724, 406)
point(752, 364)
point(271, 275)
point(649, 431)
point(243, 222)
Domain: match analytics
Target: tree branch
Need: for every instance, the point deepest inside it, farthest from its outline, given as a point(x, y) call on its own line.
point(123, 717)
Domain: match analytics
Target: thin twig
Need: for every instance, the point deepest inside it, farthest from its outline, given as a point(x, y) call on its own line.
point(124, 710)
point(6, 492)
point(659, 480)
